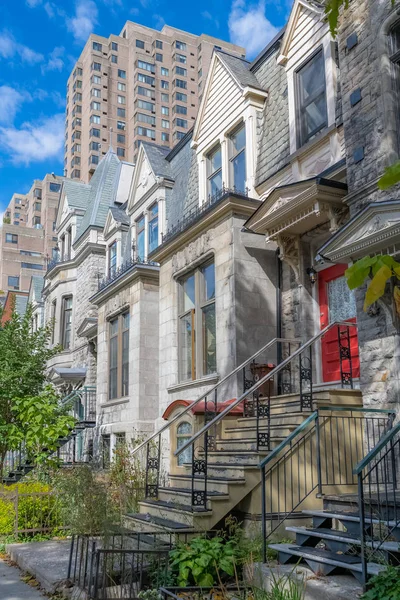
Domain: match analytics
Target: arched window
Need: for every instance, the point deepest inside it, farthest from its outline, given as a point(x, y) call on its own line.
point(183, 434)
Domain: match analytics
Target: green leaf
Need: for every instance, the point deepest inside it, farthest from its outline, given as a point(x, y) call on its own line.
point(376, 288)
point(206, 580)
point(390, 177)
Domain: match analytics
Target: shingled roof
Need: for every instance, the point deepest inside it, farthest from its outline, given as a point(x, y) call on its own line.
point(103, 186)
point(240, 69)
point(156, 156)
point(77, 193)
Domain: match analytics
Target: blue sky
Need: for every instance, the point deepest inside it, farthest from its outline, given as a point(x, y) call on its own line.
point(41, 39)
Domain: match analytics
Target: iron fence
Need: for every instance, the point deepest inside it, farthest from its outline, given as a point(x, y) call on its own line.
point(30, 513)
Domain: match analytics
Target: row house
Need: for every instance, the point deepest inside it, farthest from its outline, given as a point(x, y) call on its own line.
point(184, 280)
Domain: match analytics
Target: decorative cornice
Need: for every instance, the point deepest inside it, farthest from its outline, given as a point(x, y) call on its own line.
point(147, 273)
point(232, 204)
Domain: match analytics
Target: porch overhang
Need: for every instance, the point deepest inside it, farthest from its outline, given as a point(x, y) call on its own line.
point(296, 208)
point(67, 374)
point(374, 229)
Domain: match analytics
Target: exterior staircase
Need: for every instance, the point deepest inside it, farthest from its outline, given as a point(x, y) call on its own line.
point(82, 406)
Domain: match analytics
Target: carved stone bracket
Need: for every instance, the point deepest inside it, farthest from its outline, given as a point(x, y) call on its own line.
point(337, 215)
point(289, 251)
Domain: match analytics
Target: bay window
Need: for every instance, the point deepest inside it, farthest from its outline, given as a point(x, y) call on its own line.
point(238, 158)
point(197, 331)
point(312, 114)
point(214, 169)
point(118, 383)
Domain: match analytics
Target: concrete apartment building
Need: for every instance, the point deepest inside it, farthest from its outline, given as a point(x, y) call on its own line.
point(143, 84)
point(27, 235)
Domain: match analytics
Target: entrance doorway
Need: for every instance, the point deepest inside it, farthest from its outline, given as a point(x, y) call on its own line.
point(337, 303)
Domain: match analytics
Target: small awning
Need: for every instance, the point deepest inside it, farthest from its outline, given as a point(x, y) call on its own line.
point(88, 328)
point(374, 229)
point(67, 374)
point(298, 207)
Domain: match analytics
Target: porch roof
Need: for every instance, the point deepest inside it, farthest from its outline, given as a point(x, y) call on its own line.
point(374, 229)
point(298, 207)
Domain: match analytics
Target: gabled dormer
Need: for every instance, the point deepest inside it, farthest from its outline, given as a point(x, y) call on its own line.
point(308, 54)
point(224, 135)
point(146, 206)
point(116, 234)
point(73, 202)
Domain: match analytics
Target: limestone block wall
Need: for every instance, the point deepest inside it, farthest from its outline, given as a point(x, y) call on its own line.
point(137, 412)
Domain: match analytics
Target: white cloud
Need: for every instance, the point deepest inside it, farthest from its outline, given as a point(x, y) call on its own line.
point(10, 102)
point(159, 21)
point(10, 48)
point(208, 17)
point(33, 3)
point(34, 141)
point(81, 25)
point(55, 61)
point(249, 27)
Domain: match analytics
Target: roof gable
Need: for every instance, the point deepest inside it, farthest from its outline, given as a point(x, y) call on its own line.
point(143, 180)
point(302, 12)
point(373, 229)
point(229, 80)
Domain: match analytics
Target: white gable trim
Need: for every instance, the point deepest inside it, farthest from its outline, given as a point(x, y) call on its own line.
point(291, 27)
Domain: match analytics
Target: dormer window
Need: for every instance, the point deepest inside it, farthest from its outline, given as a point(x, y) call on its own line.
point(312, 114)
point(112, 259)
point(140, 238)
point(214, 169)
point(238, 158)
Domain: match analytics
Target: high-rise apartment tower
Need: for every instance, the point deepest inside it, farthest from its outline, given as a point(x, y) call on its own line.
point(143, 84)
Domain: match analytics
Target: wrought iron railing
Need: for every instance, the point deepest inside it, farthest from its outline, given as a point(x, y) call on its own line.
point(377, 477)
point(211, 402)
point(124, 268)
point(294, 375)
point(57, 261)
point(81, 404)
point(319, 454)
point(198, 212)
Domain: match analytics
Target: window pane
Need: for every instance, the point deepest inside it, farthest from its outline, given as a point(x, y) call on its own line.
point(153, 228)
point(184, 433)
point(239, 171)
point(216, 183)
point(125, 362)
point(215, 160)
point(209, 282)
point(140, 245)
point(188, 293)
point(239, 138)
point(186, 346)
point(209, 342)
point(113, 367)
point(312, 97)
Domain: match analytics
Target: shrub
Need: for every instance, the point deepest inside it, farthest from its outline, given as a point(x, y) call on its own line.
point(386, 585)
point(35, 512)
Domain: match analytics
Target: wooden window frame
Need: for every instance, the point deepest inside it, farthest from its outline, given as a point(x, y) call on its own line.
point(303, 138)
point(122, 386)
point(198, 366)
point(233, 153)
point(112, 259)
point(212, 174)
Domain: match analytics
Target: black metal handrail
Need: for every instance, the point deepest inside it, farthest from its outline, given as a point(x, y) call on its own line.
point(378, 499)
point(124, 268)
point(306, 370)
point(320, 452)
point(153, 443)
point(200, 211)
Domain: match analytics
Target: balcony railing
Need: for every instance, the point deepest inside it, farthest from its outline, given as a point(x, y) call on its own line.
point(124, 268)
point(57, 261)
point(198, 212)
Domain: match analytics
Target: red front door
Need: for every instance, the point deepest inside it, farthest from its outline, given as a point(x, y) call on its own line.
point(337, 303)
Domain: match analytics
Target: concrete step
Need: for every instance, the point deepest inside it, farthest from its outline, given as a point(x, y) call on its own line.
point(172, 511)
point(214, 484)
point(233, 457)
point(323, 562)
point(222, 469)
point(338, 541)
point(249, 432)
point(184, 496)
point(152, 523)
point(281, 418)
point(235, 446)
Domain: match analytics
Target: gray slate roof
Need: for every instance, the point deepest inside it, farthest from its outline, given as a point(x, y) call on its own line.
point(77, 193)
point(119, 215)
point(103, 187)
point(21, 302)
point(37, 283)
point(156, 157)
point(240, 69)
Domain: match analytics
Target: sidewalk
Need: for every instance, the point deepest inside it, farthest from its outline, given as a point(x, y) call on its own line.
point(13, 588)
